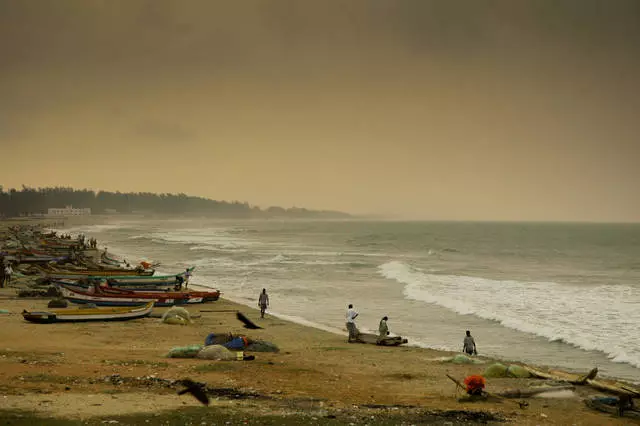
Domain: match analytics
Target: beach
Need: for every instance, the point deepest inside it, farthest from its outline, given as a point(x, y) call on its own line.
point(96, 372)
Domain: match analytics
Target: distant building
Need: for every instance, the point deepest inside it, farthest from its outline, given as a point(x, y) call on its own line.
point(110, 211)
point(69, 211)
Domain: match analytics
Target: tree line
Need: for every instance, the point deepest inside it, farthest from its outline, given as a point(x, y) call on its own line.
point(34, 201)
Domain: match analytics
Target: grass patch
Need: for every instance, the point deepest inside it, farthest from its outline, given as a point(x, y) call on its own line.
point(136, 362)
point(50, 378)
point(334, 348)
point(29, 356)
point(222, 366)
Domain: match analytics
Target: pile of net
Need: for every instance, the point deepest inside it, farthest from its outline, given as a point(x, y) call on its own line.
point(501, 370)
point(184, 351)
point(177, 315)
point(219, 353)
point(459, 359)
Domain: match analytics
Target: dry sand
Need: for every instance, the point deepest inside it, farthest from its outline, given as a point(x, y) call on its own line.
point(60, 370)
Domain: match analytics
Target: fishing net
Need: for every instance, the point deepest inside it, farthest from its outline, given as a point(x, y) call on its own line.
point(517, 372)
point(495, 370)
point(177, 315)
point(262, 346)
point(219, 353)
point(184, 351)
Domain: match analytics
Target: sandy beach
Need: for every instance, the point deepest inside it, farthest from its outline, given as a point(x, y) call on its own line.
point(97, 372)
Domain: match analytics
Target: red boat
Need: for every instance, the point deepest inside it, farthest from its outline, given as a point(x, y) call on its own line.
point(109, 296)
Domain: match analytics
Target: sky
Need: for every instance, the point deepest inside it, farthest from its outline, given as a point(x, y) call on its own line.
point(417, 109)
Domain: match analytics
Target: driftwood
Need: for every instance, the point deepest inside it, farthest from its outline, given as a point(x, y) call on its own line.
point(529, 392)
point(617, 388)
point(564, 377)
point(588, 379)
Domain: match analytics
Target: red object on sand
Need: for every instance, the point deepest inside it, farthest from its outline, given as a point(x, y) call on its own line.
point(475, 384)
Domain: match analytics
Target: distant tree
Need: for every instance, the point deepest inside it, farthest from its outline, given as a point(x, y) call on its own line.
point(31, 200)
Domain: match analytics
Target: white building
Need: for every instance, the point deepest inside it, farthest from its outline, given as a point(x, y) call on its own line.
point(69, 211)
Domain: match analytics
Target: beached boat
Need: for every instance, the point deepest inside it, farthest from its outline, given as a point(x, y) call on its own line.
point(56, 273)
point(91, 314)
point(115, 297)
point(132, 280)
point(372, 339)
point(156, 280)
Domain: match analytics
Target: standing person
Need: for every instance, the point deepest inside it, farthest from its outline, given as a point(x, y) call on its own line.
point(7, 274)
point(351, 324)
point(469, 345)
point(383, 328)
point(263, 302)
point(187, 275)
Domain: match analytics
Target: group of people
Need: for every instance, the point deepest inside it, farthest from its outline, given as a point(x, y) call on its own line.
point(468, 346)
point(383, 327)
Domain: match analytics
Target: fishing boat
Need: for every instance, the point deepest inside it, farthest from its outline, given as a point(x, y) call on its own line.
point(56, 273)
point(102, 296)
point(156, 280)
point(373, 339)
point(131, 281)
point(90, 314)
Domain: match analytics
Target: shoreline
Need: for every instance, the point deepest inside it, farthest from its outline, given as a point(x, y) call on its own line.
point(316, 373)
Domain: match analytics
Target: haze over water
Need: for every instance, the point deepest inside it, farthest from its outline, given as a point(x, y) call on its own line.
point(563, 295)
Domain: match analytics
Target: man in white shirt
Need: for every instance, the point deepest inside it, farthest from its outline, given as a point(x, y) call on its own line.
point(351, 324)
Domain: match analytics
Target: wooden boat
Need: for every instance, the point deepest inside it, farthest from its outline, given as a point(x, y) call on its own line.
point(55, 273)
point(95, 314)
point(84, 285)
point(156, 280)
point(115, 297)
point(132, 281)
point(372, 339)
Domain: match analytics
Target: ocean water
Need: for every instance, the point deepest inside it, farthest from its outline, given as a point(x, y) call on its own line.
point(563, 295)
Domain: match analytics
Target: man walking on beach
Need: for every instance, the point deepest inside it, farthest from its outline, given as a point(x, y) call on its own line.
point(469, 345)
point(263, 302)
point(351, 324)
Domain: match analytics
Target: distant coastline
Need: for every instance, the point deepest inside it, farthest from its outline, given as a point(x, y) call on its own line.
point(51, 201)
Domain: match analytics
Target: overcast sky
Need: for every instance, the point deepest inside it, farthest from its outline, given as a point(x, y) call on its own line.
point(488, 110)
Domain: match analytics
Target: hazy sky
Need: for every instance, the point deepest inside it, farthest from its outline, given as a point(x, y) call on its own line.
point(518, 110)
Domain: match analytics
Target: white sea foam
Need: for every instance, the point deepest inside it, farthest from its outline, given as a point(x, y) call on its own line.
point(603, 318)
point(217, 238)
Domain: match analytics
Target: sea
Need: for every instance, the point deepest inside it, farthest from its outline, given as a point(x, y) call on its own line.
point(564, 295)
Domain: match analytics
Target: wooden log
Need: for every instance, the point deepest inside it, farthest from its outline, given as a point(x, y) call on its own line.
point(529, 392)
point(616, 388)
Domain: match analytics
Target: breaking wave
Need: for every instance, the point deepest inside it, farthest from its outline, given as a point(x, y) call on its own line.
point(598, 318)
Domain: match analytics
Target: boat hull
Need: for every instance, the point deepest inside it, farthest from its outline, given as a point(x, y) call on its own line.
point(85, 315)
point(132, 299)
